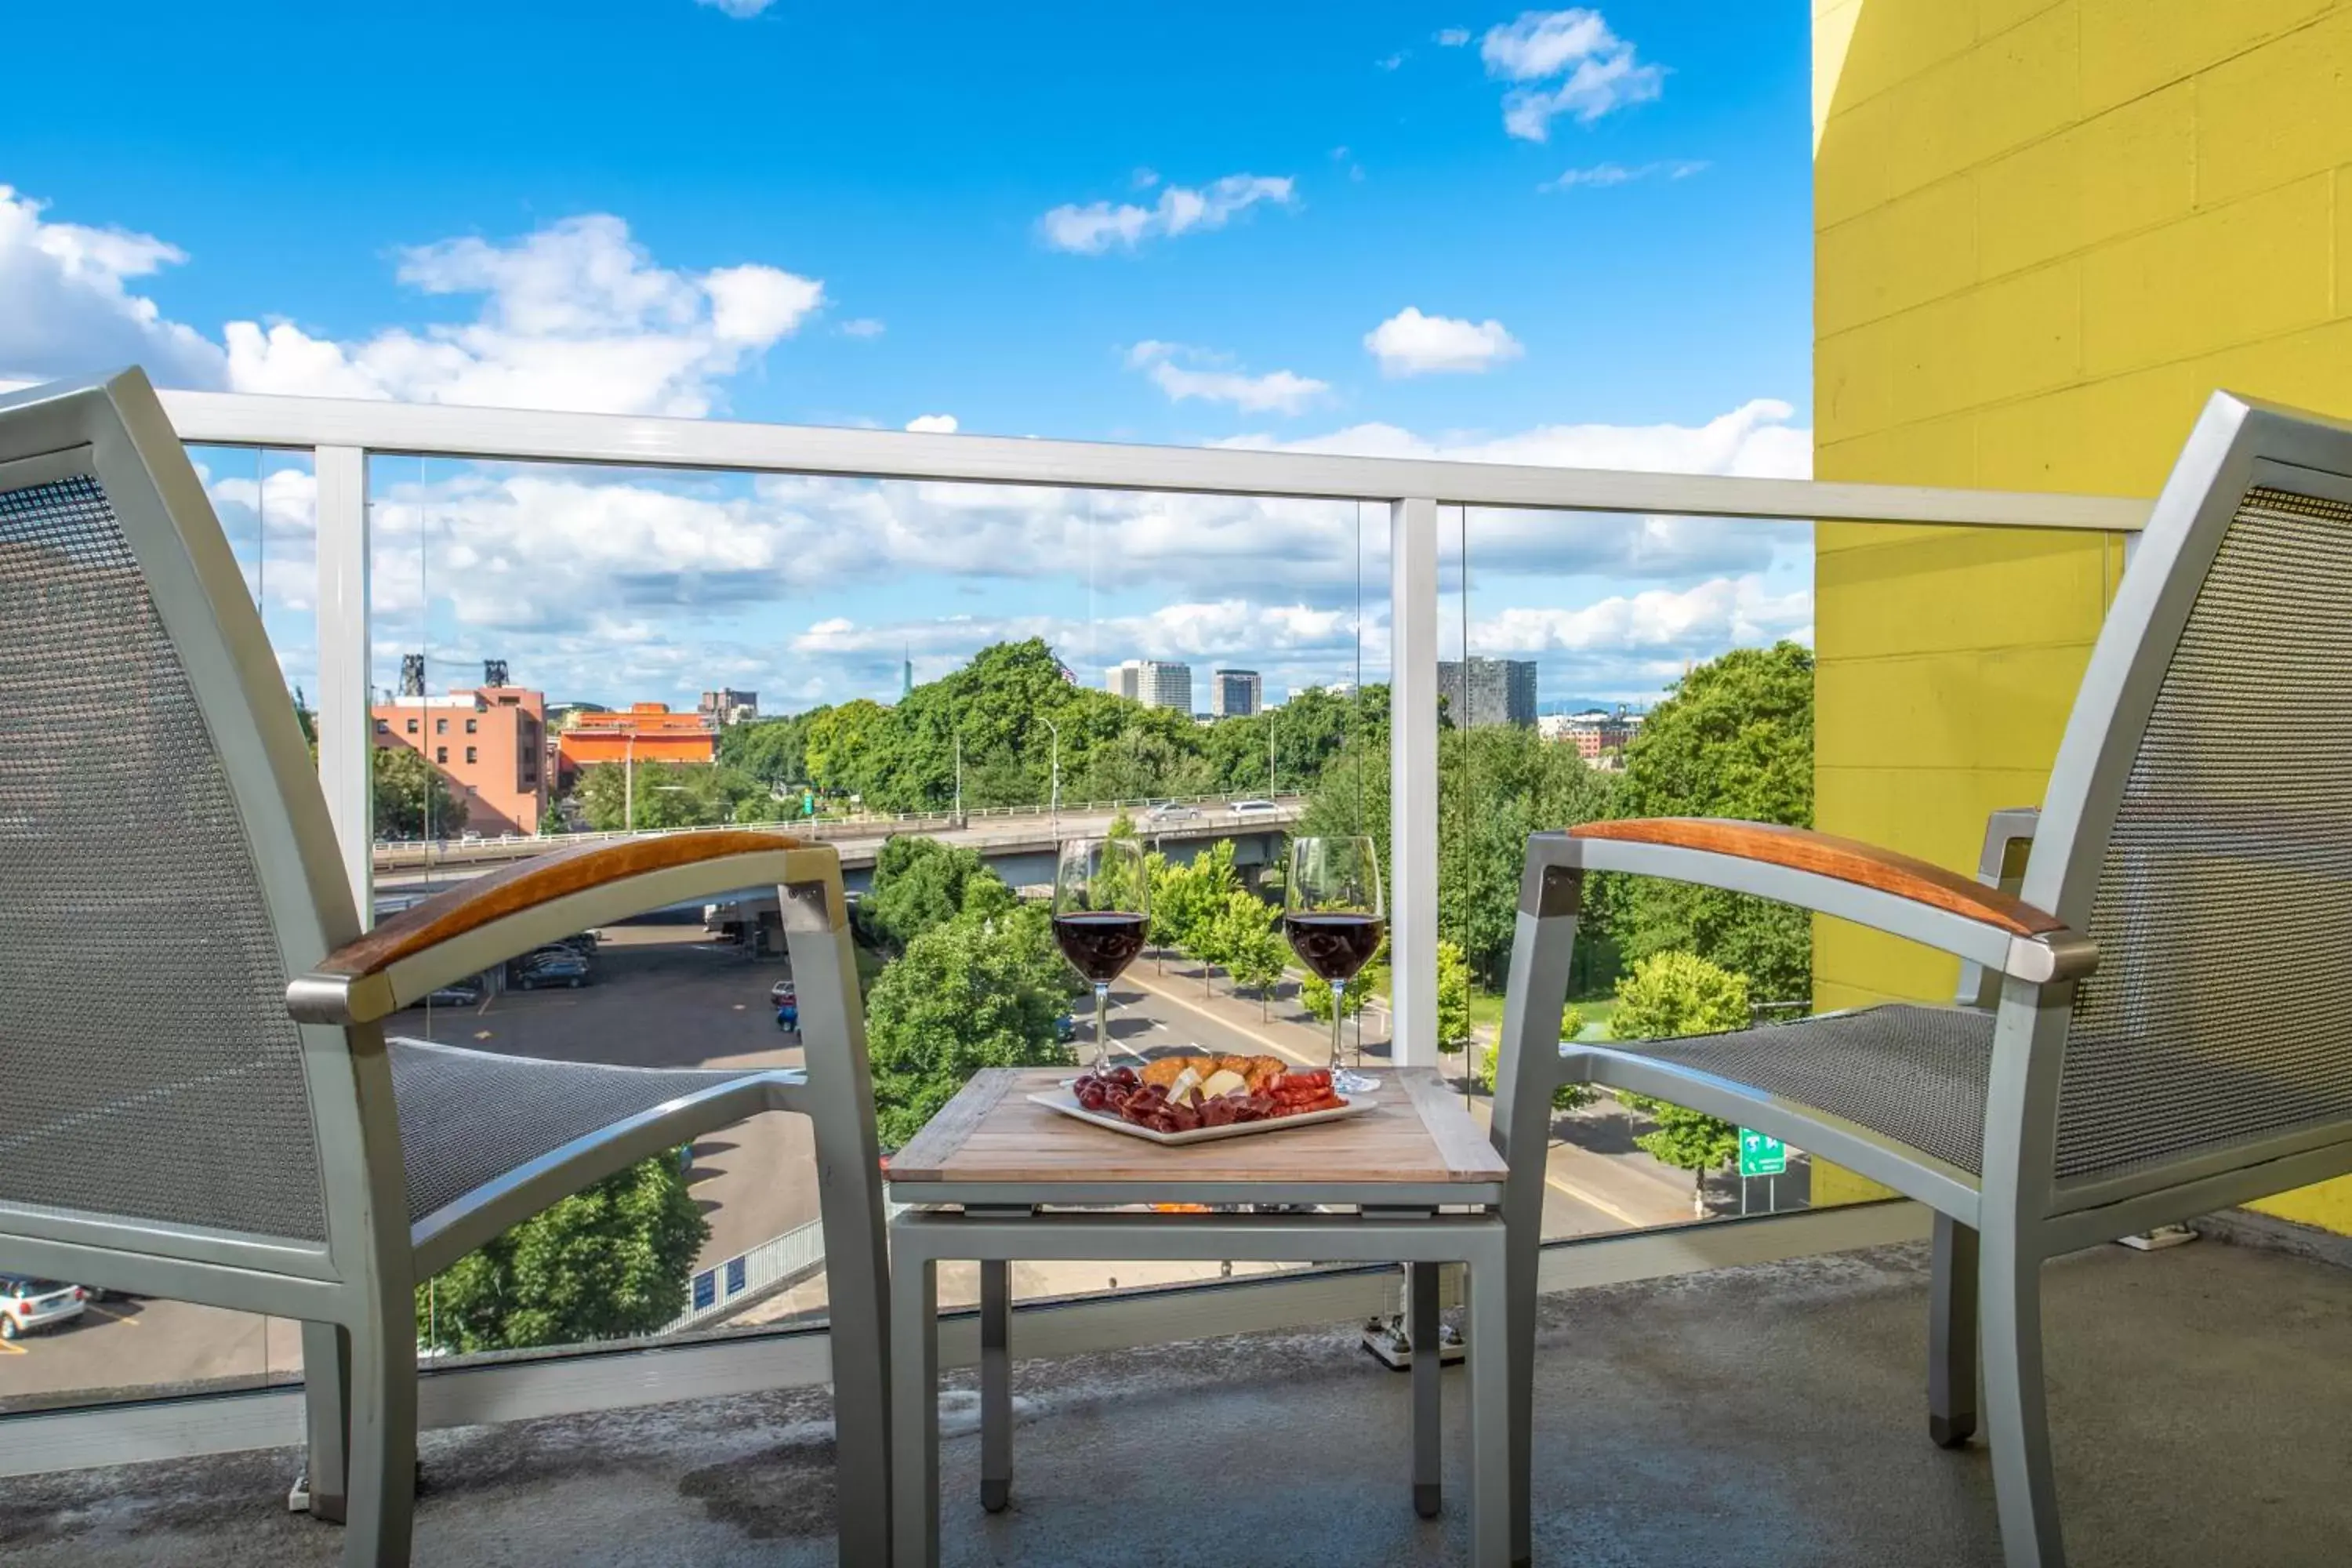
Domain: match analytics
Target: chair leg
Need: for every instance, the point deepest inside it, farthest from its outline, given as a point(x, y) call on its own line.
point(1428, 1366)
point(1493, 1466)
point(327, 1404)
point(1522, 1244)
point(2017, 1424)
point(995, 1384)
point(1952, 1336)
point(382, 1496)
point(915, 1413)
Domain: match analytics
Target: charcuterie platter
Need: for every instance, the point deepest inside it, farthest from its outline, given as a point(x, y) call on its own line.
point(1177, 1100)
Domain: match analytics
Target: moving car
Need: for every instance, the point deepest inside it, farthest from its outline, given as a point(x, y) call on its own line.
point(1251, 807)
point(26, 1304)
point(1172, 811)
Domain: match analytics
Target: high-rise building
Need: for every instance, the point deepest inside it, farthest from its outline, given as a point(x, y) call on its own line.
point(728, 706)
point(1480, 692)
point(1235, 693)
point(1152, 682)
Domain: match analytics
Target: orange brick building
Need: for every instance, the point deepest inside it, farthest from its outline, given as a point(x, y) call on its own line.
point(644, 733)
point(488, 742)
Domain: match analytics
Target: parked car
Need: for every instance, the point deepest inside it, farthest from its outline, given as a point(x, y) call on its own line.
point(1065, 1029)
point(26, 1304)
point(457, 994)
point(552, 967)
point(1251, 807)
point(782, 993)
point(583, 942)
point(1172, 811)
point(471, 836)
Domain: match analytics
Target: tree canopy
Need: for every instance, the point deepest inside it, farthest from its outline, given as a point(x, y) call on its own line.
point(920, 883)
point(605, 1263)
point(1734, 738)
point(978, 991)
point(673, 795)
point(413, 797)
point(1671, 993)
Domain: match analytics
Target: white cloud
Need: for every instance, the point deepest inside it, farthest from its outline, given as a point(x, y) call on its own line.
point(1700, 621)
point(1390, 62)
point(1451, 38)
point(1182, 372)
point(932, 424)
point(862, 327)
point(1620, 174)
point(1410, 343)
point(1099, 226)
point(1596, 69)
point(738, 9)
point(67, 311)
point(577, 316)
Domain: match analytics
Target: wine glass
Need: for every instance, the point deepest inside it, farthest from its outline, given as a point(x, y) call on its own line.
point(1333, 917)
point(1102, 907)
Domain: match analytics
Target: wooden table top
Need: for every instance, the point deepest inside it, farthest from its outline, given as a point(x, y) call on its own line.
point(991, 1135)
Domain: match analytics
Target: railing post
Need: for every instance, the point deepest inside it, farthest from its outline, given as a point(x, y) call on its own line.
point(345, 746)
point(1413, 781)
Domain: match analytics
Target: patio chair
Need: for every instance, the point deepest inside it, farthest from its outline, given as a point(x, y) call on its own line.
point(201, 1101)
point(2165, 1031)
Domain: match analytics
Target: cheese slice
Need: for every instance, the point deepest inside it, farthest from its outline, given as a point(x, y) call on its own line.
point(1187, 1086)
point(1223, 1081)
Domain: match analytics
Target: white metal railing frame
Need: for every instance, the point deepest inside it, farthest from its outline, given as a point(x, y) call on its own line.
point(341, 436)
point(342, 433)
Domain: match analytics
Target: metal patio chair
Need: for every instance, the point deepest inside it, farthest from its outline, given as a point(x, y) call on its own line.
point(198, 1098)
point(2163, 1030)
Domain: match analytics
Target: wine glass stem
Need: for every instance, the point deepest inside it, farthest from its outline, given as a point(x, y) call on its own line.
point(1338, 1012)
point(1102, 1027)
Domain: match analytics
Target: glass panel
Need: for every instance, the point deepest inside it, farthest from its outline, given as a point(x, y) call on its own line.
point(1597, 666)
point(987, 669)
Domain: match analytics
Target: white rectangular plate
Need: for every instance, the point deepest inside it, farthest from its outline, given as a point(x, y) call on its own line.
point(1062, 1101)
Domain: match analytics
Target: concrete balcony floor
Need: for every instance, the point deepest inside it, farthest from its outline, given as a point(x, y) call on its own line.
point(1762, 1415)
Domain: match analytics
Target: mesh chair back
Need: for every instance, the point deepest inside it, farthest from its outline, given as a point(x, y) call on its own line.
point(2221, 1009)
point(148, 1069)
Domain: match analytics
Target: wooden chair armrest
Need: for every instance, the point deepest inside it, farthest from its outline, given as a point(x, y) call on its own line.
point(494, 917)
point(1843, 859)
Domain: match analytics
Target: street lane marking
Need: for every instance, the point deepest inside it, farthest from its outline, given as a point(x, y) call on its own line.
point(93, 1307)
point(1595, 1200)
point(13, 1348)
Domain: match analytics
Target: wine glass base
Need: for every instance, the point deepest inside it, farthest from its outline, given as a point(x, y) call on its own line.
point(1345, 1080)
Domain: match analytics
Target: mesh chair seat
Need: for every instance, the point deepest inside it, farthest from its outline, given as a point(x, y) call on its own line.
point(467, 1118)
point(1914, 1074)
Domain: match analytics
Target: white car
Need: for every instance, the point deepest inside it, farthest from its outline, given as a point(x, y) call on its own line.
point(781, 994)
point(27, 1304)
point(1251, 807)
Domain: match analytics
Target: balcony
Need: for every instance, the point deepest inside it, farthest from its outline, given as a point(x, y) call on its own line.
point(1765, 1413)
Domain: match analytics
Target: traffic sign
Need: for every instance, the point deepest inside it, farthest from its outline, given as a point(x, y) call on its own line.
point(1762, 1155)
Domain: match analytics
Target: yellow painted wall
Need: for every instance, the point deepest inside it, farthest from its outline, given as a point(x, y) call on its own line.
point(2044, 231)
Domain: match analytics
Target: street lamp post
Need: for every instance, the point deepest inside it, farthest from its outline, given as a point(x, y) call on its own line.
point(629, 785)
point(1054, 805)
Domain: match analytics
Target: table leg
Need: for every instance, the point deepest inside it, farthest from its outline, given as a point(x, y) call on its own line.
point(1428, 1363)
point(995, 1384)
point(1490, 1421)
point(915, 1413)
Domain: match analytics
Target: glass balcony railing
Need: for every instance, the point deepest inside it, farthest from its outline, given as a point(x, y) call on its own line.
point(568, 619)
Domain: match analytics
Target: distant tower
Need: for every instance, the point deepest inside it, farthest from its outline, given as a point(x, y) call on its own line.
point(907, 673)
point(494, 672)
point(411, 675)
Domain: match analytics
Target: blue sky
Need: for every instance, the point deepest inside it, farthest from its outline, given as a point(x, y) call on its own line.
point(1552, 235)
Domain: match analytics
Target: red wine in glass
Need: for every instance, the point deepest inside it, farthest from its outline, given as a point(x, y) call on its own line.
point(1335, 946)
point(1101, 943)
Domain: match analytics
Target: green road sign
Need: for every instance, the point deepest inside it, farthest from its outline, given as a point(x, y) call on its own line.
point(1760, 1156)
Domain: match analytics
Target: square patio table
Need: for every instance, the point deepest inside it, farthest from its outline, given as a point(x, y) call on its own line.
point(995, 1177)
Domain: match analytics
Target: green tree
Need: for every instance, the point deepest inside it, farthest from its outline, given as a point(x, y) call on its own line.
point(611, 1261)
point(773, 751)
point(1735, 739)
point(1496, 784)
point(979, 990)
point(1568, 1096)
point(1453, 997)
point(920, 883)
point(1187, 897)
point(672, 795)
point(1255, 955)
point(413, 797)
point(1676, 994)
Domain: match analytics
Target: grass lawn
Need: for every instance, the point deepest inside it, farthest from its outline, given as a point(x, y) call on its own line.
point(1486, 1010)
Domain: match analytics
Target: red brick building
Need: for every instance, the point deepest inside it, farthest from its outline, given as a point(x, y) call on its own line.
point(488, 742)
point(643, 732)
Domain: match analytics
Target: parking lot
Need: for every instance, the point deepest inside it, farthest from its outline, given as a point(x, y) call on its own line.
point(665, 995)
